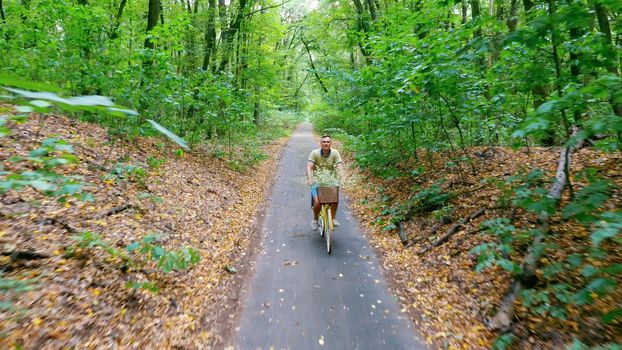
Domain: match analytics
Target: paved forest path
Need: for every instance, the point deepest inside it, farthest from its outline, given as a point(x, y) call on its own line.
point(301, 297)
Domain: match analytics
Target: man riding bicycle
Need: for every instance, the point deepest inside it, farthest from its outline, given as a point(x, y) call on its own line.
point(328, 159)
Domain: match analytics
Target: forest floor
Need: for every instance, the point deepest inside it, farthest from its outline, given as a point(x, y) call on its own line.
point(78, 298)
point(438, 287)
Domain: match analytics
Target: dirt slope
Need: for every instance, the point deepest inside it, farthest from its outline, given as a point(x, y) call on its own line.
point(80, 299)
point(439, 288)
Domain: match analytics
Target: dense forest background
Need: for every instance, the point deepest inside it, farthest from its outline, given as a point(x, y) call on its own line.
point(406, 85)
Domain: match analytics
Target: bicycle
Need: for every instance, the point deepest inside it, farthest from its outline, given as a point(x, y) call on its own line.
point(327, 196)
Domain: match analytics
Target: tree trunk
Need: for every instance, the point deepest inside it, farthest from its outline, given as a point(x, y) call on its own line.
point(317, 76)
point(500, 14)
point(465, 11)
point(611, 61)
point(117, 21)
point(161, 14)
point(538, 89)
point(557, 61)
point(222, 15)
point(229, 34)
point(2, 12)
point(364, 26)
point(152, 20)
point(360, 10)
point(475, 15)
point(373, 11)
point(513, 18)
point(503, 318)
point(210, 34)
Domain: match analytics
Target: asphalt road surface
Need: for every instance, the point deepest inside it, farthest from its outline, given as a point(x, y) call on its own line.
point(303, 298)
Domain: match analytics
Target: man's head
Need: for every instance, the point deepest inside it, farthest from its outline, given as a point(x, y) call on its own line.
point(325, 142)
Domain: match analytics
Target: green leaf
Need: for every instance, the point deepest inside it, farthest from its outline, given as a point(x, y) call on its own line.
point(582, 297)
point(589, 271)
point(607, 231)
point(158, 252)
point(613, 269)
point(150, 239)
point(613, 315)
point(602, 286)
point(42, 185)
point(19, 82)
point(504, 342)
point(574, 260)
point(132, 247)
point(178, 140)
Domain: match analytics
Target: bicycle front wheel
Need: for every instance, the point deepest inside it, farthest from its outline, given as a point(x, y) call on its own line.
point(329, 230)
point(321, 225)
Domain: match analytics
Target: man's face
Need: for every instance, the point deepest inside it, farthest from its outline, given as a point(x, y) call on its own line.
point(325, 143)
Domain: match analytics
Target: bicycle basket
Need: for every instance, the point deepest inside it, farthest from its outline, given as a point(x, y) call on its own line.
point(328, 194)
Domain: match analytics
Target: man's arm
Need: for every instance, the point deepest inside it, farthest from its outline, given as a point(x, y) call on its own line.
point(310, 165)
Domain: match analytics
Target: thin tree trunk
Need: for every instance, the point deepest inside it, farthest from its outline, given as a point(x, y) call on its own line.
point(464, 11)
point(475, 15)
point(210, 34)
point(538, 89)
point(558, 69)
point(229, 34)
point(513, 18)
point(364, 26)
point(161, 13)
point(317, 76)
point(152, 21)
point(2, 12)
point(222, 15)
point(117, 22)
point(373, 11)
point(500, 9)
point(505, 313)
point(611, 60)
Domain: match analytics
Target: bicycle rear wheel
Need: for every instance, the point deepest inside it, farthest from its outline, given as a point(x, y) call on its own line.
point(329, 230)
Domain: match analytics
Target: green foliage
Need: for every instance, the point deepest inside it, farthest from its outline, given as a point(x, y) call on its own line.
point(167, 261)
point(155, 163)
point(498, 253)
point(555, 293)
point(12, 285)
point(422, 200)
point(131, 172)
point(578, 345)
point(584, 205)
point(443, 213)
point(504, 342)
point(138, 254)
point(422, 76)
point(43, 176)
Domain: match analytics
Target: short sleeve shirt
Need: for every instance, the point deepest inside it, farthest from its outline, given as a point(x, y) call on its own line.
point(327, 162)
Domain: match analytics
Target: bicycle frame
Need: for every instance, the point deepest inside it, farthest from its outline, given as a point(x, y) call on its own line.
point(327, 225)
point(327, 215)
